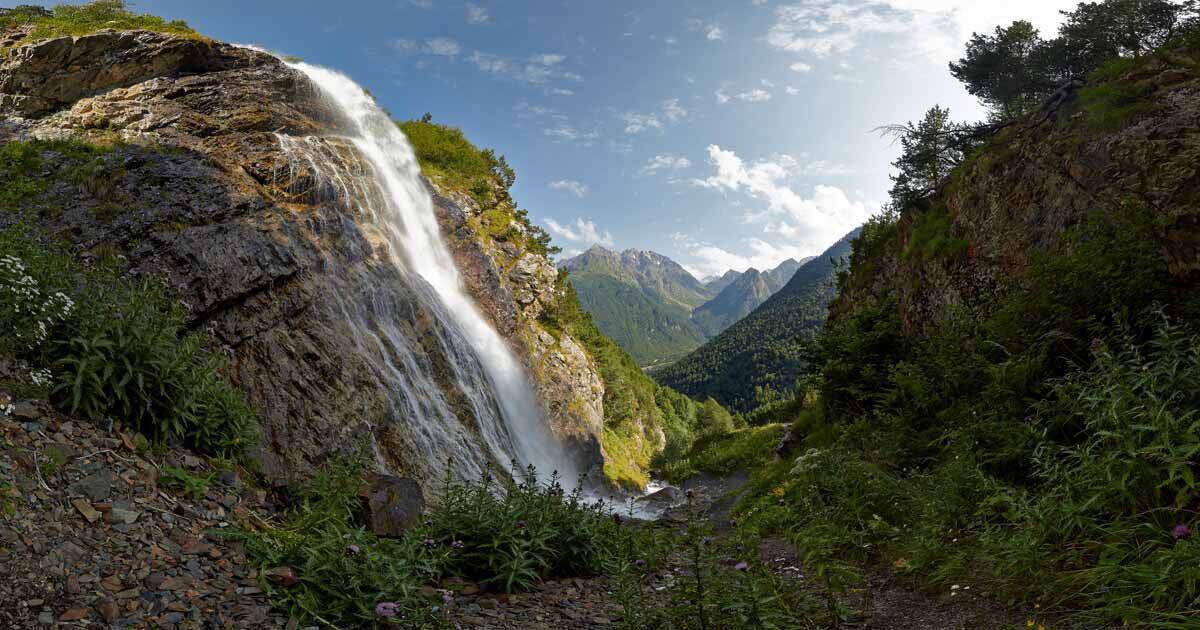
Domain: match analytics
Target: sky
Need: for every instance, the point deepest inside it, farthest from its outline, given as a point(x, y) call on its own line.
point(724, 134)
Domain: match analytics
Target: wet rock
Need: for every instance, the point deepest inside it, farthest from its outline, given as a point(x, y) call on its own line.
point(395, 504)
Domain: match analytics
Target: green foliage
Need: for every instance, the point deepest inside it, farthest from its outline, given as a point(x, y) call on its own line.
point(447, 157)
point(722, 454)
point(118, 348)
point(1111, 106)
point(26, 173)
point(647, 328)
point(1014, 70)
point(510, 540)
point(1041, 449)
point(75, 19)
point(195, 486)
point(930, 150)
point(931, 236)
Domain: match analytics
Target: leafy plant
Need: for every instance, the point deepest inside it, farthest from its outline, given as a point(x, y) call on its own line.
point(195, 486)
point(74, 19)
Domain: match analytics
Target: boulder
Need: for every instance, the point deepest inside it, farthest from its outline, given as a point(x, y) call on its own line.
point(395, 504)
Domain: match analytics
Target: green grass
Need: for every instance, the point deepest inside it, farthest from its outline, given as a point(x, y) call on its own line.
point(725, 454)
point(68, 19)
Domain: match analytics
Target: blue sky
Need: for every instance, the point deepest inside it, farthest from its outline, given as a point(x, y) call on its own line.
point(723, 134)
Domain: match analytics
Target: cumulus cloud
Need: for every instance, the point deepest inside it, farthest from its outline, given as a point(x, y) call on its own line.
point(935, 29)
point(800, 67)
point(711, 30)
point(477, 14)
point(583, 231)
point(665, 162)
point(812, 222)
point(571, 187)
point(722, 97)
point(714, 33)
point(564, 132)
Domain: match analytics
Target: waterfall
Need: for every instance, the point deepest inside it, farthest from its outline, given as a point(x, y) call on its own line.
point(382, 184)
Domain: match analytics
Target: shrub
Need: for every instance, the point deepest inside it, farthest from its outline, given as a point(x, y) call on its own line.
point(118, 348)
point(68, 19)
point(510, 538)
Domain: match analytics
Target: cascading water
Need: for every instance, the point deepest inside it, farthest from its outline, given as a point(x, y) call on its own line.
point(382, 184)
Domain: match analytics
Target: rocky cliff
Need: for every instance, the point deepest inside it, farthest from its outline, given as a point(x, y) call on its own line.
point(1129, 142)
point(194, 186)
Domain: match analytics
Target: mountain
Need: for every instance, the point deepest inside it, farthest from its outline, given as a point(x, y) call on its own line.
point(741, 295)
point(764, 348)
point(642, 300)
point(718, 284)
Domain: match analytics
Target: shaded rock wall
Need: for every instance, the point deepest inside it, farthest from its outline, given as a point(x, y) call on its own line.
point(199, 191)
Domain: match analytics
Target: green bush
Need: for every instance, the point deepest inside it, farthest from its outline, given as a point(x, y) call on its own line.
point(73, 19)
point(509, 538)
point(725, 453)
point(118, 348)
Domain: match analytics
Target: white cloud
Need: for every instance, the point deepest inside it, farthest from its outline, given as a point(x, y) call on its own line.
point(539, 69)
point(813, 222)
point(934, 29)
point(755, 96)
point(792, 90)
point(800, 67)
point(583, 231)
point(570, 186)
point(477, 14)
point(422, 4)
point(673, 110)
point(666, 162)
point(713, 260)
point(637, 123)
point(714, 33)
point(722, 97)
point(563, 132)
point(443, 47)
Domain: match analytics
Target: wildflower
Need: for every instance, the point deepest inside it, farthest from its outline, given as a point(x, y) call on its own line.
point(457, 544)
point(639, 563)
point(447, 597)
point(353, 549)
point(1180, 532)
point(708, 540)
point(429, 542)
point(428, 523)
point(520, 524)
point(386, 609)
point(741, 566)
point(617, 518)
point(690, 494)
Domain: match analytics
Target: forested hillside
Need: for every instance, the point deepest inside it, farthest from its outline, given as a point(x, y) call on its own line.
point(759, 359)
point(1005, 396)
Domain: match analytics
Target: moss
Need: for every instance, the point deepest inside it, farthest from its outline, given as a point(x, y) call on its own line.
point(626, 462)
point(28, 170)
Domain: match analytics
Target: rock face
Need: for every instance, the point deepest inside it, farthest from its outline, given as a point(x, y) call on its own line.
point(197, 188)
point(1048, 177)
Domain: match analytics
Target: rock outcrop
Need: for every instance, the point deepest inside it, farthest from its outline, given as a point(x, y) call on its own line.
point(1046, 175)
point(197, 188)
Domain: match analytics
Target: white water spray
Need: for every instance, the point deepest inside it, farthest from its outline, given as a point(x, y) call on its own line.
point(402, 214)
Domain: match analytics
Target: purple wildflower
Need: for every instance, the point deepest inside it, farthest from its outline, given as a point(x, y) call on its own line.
point(708, 540)
point(1181, 531)
point(458, 544)
point(447, 597)
point(520, 524)
point(741, 566)
point(429, 542)
point(353, 549)
point(385, 609)
point(617, 518)
point(639, 563)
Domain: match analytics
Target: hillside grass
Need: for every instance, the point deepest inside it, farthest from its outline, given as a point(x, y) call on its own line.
point(75, 20)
